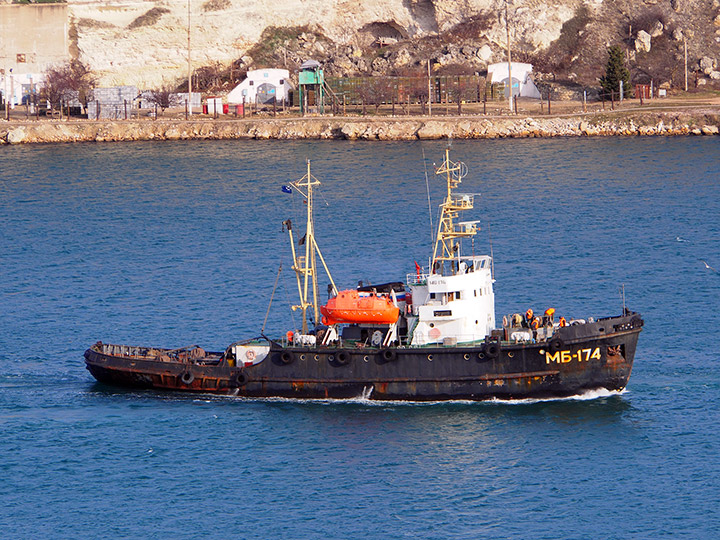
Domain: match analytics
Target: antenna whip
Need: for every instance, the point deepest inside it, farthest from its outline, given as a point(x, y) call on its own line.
point(427, 188)
point(262, 331)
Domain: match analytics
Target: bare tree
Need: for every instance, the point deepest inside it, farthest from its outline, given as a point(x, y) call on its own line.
point(383, 91)
point(419, 92)
point(161, 97)
point(67, 81)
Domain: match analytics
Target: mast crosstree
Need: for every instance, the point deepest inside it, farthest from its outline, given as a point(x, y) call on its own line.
point(447, 245)
point(305, 266)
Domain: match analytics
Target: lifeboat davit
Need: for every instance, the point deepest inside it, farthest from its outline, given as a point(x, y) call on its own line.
point(350, 307)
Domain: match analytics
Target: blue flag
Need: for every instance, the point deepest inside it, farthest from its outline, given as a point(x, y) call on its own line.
point(287, 189)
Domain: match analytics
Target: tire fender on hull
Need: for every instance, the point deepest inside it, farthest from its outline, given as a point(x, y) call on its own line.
point(240, 379)
point(492, 350)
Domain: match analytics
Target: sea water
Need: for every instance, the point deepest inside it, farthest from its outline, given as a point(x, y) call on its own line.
point(179, 243)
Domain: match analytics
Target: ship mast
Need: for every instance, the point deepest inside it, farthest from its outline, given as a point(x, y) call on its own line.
point(447, 245)
point(305, 265)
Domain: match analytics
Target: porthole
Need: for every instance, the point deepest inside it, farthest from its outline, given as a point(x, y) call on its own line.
point(466, 356)
point(316, 357)
point(430, 357)
point(511, 354)
point(366, 358)
point(302, 357)
point(432, 325)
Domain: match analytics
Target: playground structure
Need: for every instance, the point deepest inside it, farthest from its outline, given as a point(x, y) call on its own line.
point(313, 90)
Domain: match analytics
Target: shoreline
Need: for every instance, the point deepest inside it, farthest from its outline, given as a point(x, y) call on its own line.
point(649, 122)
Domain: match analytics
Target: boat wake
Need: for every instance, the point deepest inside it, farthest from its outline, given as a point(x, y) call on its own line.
point(365, 399)
point(588, 395)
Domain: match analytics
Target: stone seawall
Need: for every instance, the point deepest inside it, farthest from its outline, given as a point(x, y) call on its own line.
point(706, 122)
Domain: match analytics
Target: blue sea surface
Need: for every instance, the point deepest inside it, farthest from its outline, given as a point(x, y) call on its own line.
point(178, 243)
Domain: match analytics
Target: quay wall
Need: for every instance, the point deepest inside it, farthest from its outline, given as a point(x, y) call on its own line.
point(705, 122)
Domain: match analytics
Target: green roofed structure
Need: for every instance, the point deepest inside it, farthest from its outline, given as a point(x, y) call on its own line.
point(312, 87)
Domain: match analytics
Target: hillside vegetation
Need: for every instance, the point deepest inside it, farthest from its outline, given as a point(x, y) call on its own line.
point(145, 43)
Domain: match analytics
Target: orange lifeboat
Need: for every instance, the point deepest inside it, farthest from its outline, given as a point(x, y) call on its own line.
point(349, 307)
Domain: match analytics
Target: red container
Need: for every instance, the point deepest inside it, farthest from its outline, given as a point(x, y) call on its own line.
point(226, 108)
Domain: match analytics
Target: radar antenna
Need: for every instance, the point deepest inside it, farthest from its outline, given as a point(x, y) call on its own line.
point(447, 246)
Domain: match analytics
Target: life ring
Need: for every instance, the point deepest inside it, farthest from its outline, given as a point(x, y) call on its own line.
point(250, 355)
point(555, 345)
point(286, 357)
point(187, 377)
point(240, 379)
point(505, 321)
point(388, 355)
point(492, 349)
point(342, 357)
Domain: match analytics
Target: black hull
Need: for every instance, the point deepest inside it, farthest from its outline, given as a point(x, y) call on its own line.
point(588, 357)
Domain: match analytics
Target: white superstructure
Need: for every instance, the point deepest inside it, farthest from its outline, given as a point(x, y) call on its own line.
point(454, 302)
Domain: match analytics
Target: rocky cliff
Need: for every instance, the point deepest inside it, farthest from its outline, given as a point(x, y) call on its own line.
point(146, 42)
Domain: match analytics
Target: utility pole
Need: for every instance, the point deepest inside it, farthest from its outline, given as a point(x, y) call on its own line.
point(429, 92)
point(685, 47)
point(189, 68)
point(507, 30)
point(5, 95)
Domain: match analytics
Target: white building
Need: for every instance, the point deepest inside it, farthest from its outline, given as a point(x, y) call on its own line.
point(263, 85)
point(20, 87)
point(522, 83)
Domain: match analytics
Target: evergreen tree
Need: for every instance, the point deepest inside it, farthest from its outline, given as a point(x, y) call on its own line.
point(615, 72)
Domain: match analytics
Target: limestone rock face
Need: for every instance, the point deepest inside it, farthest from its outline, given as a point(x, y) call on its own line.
point(642, 43)
point(657, 29)
point(706, 65)
point(128, 44)
point(16, 136)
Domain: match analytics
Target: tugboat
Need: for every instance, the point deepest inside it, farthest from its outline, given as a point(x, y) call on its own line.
point(432, 337)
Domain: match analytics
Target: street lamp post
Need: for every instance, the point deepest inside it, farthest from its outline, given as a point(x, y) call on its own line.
point(189, 68)
point(5, 95)
point(507, 31)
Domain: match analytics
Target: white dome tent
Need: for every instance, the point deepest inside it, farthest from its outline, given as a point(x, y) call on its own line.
point(263, 85)
point(522, 83)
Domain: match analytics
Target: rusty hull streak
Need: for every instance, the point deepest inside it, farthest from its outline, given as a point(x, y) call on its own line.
point(384, 381)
